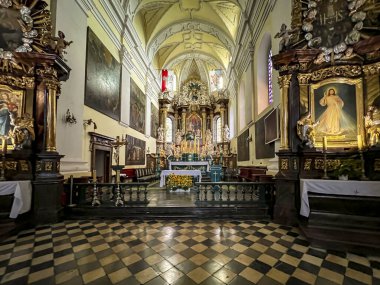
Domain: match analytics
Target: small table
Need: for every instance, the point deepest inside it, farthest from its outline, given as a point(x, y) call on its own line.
point(164, 173)
point(22, 191)
point(337, 187)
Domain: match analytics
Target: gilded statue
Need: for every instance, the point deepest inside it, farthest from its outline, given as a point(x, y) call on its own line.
point(59, 44)
point(22, 134)
point(306, 130)
point(372, 126)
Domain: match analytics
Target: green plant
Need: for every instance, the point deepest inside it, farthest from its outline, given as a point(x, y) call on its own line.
point(349, 167)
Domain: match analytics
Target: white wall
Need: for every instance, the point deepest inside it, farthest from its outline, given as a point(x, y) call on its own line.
point(72, 20)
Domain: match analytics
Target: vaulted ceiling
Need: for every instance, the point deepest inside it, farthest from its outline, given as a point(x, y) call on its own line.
point(180, 34)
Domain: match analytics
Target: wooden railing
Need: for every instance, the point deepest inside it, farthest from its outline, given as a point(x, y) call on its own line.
point(108, 194)
point(235, 193)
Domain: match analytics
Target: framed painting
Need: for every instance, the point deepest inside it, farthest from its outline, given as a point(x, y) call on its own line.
point(243, 146)
point(102, 78)
point(11, 104)
point(337, 108)
point(154, 121)
point(10, 29)
point(137, 111)
point(135, 151)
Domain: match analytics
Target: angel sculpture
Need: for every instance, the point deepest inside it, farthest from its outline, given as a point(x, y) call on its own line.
point(285, 35)
point(22, 133)
point(306, 130)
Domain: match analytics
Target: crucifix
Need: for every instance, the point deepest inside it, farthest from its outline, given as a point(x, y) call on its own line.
point(117, 145)
point(215, 174)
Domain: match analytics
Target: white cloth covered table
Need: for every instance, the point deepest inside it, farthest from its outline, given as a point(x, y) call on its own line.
point(164, 173)
point(22, 191)
point(189, 163)
point(337, 187)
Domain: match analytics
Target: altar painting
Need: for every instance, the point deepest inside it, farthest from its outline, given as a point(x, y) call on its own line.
point(137, 111)
point(194, 122)
point(11, 102)
point(135, 151)
point(102, 78)
point(337, 108)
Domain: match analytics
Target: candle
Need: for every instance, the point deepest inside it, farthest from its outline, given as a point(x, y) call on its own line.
point(324, 143)
point(94, 175)
point(4, 145)
point(360, 142)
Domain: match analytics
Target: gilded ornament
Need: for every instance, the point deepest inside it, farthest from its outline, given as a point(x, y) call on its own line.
point(295, 164)
point(372, 126)
point(306, 130)
point(38, 166)
point(48, 166)
point(22, 133)
point(331, 164)
point(284, 80)
point(307, 164)
point(284, 164)
point(371, 69)
point(304, 78)
point(11, 165)
point(23, 82)
point(24, 165)
point(334, 71)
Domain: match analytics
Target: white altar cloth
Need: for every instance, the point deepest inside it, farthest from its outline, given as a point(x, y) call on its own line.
point(22, 191)
point(164, 173)
point(189, 163)
point(337, 187)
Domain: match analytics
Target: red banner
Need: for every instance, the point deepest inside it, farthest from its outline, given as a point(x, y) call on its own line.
point(164, 76)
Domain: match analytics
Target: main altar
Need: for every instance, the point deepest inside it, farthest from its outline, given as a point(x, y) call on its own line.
point(194, 131)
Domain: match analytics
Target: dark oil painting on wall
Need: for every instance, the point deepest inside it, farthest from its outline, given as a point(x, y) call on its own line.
point(102, 78)
point(138, 103)
point(10, 29)
point(135, 151)
point(154, 121)
point(243, 146)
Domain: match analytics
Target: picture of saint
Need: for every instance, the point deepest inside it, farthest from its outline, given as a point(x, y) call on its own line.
point(330, 120)
point(335, 111)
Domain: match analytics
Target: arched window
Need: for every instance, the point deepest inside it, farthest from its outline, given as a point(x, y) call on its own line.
point(270, 68)
point(169, 129)
point(218, 128)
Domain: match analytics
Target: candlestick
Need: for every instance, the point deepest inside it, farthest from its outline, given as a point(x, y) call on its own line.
point(324, 143)
point(94, 175)
point(117, 176)
point(360, 142)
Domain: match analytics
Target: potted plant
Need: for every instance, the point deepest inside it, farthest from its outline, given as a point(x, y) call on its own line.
point(349, 168)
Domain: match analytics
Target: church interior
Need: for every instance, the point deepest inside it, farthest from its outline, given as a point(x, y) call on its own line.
point(190, 142)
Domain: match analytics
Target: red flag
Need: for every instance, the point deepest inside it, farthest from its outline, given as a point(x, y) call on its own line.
point(164, 76)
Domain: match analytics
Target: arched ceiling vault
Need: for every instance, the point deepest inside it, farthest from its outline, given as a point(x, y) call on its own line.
point(179, 34)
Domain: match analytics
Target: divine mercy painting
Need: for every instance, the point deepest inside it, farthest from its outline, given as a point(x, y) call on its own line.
point(102, 78)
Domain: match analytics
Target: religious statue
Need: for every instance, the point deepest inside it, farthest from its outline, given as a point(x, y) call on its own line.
point(160, 134)
point(306, 131)
point(178, 137)
point(208, 137)
point(285, 35)
point(372, 126)
point(59, 44)
point(226, 133)
point(22, 133)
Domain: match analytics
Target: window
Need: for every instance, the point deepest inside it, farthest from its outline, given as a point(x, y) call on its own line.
point(218, 128)
point(169, 130)
point(270, 68)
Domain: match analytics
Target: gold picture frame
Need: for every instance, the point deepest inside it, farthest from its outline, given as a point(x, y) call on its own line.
point(11, 101)
point(337, 106)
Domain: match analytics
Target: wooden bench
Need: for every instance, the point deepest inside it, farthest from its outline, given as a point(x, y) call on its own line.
point(253, 174)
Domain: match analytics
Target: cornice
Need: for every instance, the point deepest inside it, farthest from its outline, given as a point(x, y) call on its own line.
point(84, 5)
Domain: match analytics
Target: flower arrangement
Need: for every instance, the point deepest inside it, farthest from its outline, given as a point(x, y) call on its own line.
point(349, 167)
point(179, 181)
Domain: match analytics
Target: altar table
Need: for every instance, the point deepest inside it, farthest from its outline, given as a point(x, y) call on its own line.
point(189, 165)
point(164, 173)
point(22, 191)
point(337, 187)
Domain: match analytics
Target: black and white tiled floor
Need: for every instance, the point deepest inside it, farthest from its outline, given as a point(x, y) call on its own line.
point(176, 252)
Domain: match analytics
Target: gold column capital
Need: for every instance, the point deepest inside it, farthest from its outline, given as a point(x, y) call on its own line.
point(284, 80)
point(304, 78)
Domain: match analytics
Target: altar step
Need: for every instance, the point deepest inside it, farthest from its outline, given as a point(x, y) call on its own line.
point(170, 211)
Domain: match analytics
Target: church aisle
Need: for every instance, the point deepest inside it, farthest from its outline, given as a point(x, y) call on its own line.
point(176, 252)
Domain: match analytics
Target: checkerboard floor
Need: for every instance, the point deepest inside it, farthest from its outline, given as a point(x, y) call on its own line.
point(176, 252)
